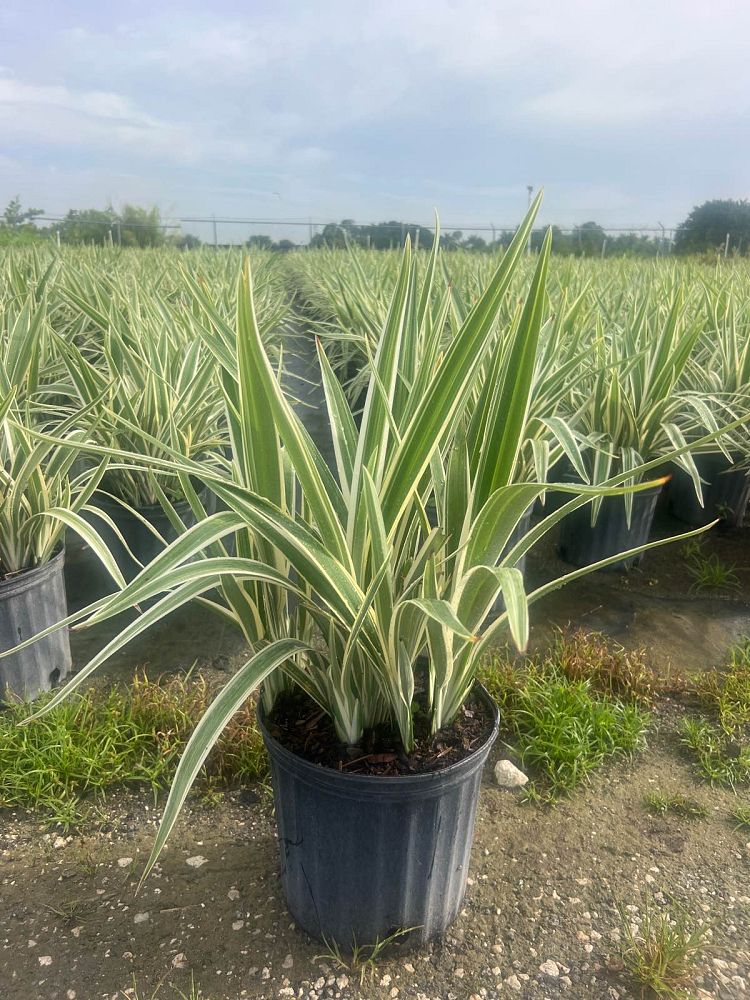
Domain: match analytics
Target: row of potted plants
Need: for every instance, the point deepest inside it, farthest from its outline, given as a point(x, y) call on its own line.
point(364, 593)
point(634, 362)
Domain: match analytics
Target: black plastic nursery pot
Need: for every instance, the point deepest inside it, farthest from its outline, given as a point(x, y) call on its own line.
point(561, 472)
point(363, 856)
point(725, 492)
point(31, 601)
point(582, 543)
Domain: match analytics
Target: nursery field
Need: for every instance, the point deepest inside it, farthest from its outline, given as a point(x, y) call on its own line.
point(344, 488)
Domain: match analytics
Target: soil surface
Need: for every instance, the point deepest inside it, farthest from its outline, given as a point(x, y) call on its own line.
point(300, 726)
point(548, 889)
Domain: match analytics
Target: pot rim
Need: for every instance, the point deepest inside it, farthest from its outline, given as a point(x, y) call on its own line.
point(24, 579)
point(387, 783)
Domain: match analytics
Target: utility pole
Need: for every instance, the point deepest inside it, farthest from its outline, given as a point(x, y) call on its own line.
point(416, 238)
point(726, 246)
point(663, 237)
point(492, 227)
point(604, 245)
point(216, 241)
point(530, 189)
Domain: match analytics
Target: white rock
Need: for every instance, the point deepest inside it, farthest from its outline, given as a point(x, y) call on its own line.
point(196, 861)
point(288, 962)
point(179, 961)
point(140, 918)
point(550, 968)
point(237, 925)
point(233, 894)
point(507, 775)
point(45, 960)
point(124, 862)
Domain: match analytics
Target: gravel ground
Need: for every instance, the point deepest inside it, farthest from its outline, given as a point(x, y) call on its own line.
point(542, 916)
point(547, 890)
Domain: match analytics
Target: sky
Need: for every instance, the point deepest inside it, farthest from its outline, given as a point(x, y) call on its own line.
point(627, 113)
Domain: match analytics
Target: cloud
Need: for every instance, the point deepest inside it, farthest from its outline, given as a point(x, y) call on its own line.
point(349, 108)
point(60, 116)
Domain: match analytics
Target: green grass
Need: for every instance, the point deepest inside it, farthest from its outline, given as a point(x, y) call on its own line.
point(175, 993)
point(130, 735)
point(720, 759)
point(678, 804)
point(710, 574)
point(363, 958)
point(726, 692)
point(720, 740)
point(741, 816)
point(660, 954)
point(560, 728)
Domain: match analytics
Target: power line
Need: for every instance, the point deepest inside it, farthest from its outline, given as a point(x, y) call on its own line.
point(394, 226)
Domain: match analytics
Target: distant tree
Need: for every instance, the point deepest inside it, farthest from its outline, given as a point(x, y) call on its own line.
point(475, 243)
point(14, 216)
point(141, 227)
point(89, 225)
point(633, 245)
point(260, 242)
point(707, 226)
point(185, 241)
point(285, 246)
point(378, 236)
point(588, 239)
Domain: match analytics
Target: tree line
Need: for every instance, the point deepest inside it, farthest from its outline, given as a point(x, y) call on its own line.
point(717, 225)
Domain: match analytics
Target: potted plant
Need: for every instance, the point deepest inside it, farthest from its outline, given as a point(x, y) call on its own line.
point(39, 493)
point(366, 620)
point(38, 498)
point(720, 373)
point(144, 381)
point(631, 411)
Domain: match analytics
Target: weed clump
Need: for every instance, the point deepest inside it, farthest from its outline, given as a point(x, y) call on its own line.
point(128, 735)
point(678, 804)
point(660, 950)
point(560, 724)
point(610, 668)
point(721, 760)
point(726, 693)
point(708, 572)
point(720, 741)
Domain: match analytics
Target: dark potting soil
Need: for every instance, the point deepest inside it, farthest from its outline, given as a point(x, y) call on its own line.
point(302, 727)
